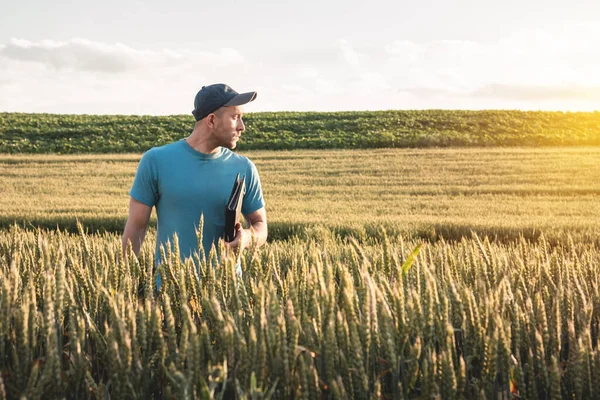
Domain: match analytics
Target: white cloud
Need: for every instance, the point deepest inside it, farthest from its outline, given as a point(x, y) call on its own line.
point(306, 72)
point(299, 91)
point(350, 55)
point(81, 76)
point(326, 86)
point(568, 56)
point(537, 93)
point(86, 55)
point(532, 69)
point(77, 54)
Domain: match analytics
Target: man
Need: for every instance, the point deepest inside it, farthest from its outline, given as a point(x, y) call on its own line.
point(194, 176)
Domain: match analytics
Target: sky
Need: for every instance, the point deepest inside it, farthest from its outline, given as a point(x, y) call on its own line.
point(151, 57)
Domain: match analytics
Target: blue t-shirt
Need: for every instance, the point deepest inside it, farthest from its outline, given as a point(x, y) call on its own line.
point(184, 184)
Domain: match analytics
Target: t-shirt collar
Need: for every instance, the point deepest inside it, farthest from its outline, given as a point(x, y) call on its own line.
point(201, 155)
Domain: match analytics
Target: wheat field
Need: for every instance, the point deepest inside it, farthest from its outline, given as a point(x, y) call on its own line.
point(421, 192)
point(390, 274)
point(316, 317)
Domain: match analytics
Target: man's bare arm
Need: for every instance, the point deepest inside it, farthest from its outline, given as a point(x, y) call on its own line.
point(137, 226)
point(258, 226)
point(258, 229)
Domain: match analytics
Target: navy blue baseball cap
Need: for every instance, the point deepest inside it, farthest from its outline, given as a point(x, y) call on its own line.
point(212, 97)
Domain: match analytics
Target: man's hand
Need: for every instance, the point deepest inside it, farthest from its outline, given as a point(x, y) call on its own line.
point(243, 238)
point(257, 233)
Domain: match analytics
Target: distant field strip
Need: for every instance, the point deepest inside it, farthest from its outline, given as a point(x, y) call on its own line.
point(71, 134)
point(422, 191)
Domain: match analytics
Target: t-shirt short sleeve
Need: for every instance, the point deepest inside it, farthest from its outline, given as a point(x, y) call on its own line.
point(253, 199)
point(145, 184)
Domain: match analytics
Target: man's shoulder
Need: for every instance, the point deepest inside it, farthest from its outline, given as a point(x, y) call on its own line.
point(239, 163)
point(232, 155)
point(168, 149)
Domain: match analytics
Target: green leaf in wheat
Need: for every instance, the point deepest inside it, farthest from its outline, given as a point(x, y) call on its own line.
point(411, 259)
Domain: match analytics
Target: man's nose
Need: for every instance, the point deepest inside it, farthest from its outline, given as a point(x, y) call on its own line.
point(241, 126)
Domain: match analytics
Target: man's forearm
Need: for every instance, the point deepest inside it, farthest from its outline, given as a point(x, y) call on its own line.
point(259, 233)
point(136, 226)
point(136, 237)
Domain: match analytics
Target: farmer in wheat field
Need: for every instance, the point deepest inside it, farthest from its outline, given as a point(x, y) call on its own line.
point(193, 177)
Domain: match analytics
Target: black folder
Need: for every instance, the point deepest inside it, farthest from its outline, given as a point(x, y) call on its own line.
point(233, 210)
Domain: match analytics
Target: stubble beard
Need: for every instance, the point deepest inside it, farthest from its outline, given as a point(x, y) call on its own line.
point(229, 142)
point(233, 142)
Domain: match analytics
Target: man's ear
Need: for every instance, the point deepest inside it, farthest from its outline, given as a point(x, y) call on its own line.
point(210, 120)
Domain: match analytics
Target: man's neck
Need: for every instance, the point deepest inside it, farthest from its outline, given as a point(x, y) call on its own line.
point(201, 143)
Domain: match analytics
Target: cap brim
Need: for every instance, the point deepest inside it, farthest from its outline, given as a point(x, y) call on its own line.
point(240, 99)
